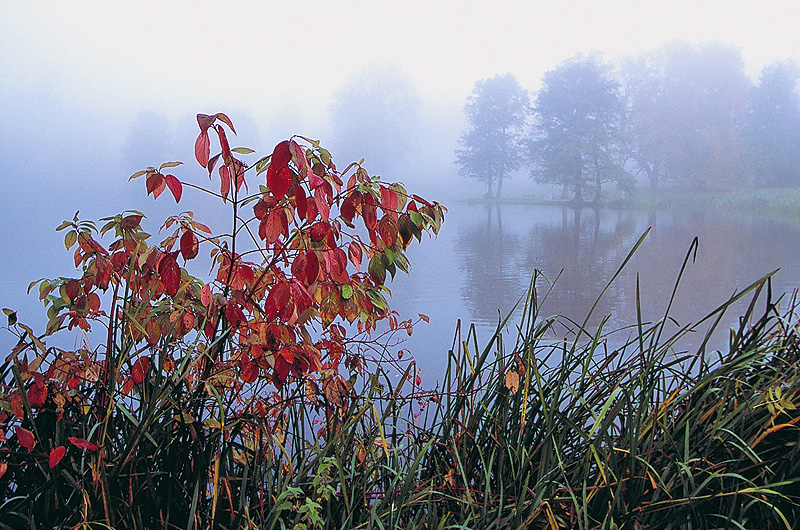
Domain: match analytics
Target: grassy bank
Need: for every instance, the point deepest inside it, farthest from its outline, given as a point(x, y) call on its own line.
point(765, 201)
point(548, 429)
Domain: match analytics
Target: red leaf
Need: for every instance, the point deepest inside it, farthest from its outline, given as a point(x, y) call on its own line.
point(278, 297)
point(205, 121)
point(279, 176)
point(130, 221)
point(354, 252)
point(245, 274)
point(73, 289)
point(319, 231)
point(234, 314)
point(274, 226)
point(299, 268)
point(17, 405)
point(80, 443)
point(3, 468)
point(202, 146)
point(225, 184)
point(223, 142)
point(300, 159)
point(323, 206)
point(314, 181)
point(263, 207)
point(311, 211)
point(153, 331)
point(249, 371)
point(175, 186)
point(25, 438)
point(139, 370)
point(348, 209)
point(205, 295)
point(312, 267)
point(281, 369)
point(389, 200)
point(56, 455)
point(279, 181)
point(226, 120)
point(238, 171)
point(170, 274)
point(93, 301)
point(282, 154)
point(37, 394)
point(339, 265)
point(212, 162)
point(189, 245)
point(368, 210)
point(388, 230)
point(155, 184)
point(300, 201)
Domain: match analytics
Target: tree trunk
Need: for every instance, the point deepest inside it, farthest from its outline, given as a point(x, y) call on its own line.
point(499, 186)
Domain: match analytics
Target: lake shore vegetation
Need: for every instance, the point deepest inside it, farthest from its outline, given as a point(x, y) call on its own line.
point(277, 394)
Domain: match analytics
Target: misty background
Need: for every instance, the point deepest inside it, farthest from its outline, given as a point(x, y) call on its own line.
point(91, 92)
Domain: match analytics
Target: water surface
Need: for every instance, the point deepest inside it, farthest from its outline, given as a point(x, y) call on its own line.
point(483, 260)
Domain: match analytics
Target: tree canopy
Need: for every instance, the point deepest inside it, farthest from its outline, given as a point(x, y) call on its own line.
point(685, 104)
point(493, 146)
point(577, 130)
point(682, 113)
point(771, 131)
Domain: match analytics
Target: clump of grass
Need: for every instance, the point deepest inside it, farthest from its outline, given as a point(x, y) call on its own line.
point(567, 434)
point(554, 428)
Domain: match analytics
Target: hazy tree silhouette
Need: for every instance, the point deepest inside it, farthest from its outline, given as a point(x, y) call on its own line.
point(375, 115)
point(492, 147)
point(577, 131)
point(686, 103)
point(771, 132)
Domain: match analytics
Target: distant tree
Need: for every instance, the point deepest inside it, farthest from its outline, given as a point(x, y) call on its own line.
point(771, 130)
point(645, 136)
point(493, 146)
point(375, 114)
point(577, 136)
point(685, 105)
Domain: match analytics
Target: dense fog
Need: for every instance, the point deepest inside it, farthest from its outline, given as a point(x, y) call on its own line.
point(692, 112)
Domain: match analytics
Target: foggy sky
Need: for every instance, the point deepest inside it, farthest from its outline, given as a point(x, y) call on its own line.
point(91, 91)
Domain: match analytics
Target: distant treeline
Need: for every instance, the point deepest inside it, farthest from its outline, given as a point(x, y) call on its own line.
point(682, 113)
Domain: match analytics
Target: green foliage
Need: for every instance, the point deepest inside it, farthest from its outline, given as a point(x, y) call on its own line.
point(493, 146)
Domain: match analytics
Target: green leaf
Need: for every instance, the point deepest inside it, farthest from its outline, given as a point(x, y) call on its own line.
point(12, 316)
point(243, 150)
point(70, 239)
point(325, 156)
point(263, 164)
point(169, 164)
point(376, 269)
point(347, 292)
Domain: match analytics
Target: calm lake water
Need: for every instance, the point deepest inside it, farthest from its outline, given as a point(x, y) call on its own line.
point(483, 260)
